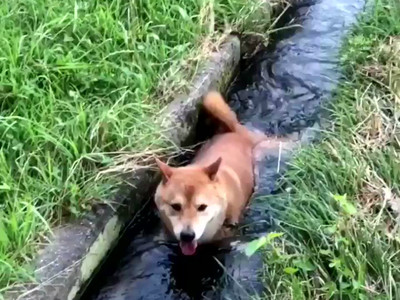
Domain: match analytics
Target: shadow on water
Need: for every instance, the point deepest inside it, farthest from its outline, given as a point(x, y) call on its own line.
point(278, 91)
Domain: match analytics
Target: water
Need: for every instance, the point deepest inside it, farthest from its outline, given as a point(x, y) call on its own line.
point(278, 91)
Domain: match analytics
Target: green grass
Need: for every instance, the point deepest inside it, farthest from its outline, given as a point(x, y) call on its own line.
point(79, 82)
point(340, 206)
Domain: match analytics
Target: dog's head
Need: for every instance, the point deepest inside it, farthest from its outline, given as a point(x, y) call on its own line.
point(190, 204)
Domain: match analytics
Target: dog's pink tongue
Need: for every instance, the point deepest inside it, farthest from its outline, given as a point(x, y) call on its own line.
point(188, 248)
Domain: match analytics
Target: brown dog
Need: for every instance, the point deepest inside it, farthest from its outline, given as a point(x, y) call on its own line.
point(194, 201)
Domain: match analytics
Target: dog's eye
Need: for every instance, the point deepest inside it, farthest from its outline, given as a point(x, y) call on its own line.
point(202, 207)
point(176, 206)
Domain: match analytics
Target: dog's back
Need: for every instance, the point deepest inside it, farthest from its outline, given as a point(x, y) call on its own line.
point(235, 147)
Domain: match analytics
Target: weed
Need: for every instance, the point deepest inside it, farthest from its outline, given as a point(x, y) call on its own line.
point(339, 212)
point(80, 83)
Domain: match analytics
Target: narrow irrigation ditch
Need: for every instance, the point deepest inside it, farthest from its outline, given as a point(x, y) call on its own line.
point(279, 90)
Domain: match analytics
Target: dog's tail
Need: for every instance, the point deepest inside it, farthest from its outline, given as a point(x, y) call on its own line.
point(215, 104)
point(217, 107)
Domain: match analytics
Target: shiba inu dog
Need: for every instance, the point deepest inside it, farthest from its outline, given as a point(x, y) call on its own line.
point(195, 201)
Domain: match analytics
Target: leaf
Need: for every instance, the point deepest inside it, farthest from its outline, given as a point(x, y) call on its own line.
point(343, 240)
point(344, 285)
point(5, 187)
point(340, 198)
point(356, 285)
point(68, 38)
point(290, 270)
point(181, 11)
point(350, 209)
point(13, 222)
point(154, 36)
point(330, 230)
point(4, 240)
point(325, 252)
point(331, 289)
point(253, 246)
point(305, 265)
point(335, 263)
point(273, 235)
point(347, 272)
point(347, 206)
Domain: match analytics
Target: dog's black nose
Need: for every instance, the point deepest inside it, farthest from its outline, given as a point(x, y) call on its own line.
point(187, 236)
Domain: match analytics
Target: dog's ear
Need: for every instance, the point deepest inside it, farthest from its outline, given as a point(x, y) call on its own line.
point(166, 170)
point(212, 169)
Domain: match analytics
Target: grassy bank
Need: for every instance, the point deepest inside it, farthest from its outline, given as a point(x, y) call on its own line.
point(340, 209)
point(80, 81)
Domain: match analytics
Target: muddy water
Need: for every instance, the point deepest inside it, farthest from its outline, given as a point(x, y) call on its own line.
point(278, 91)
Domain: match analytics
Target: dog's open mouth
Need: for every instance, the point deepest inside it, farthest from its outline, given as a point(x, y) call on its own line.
point(188, 248)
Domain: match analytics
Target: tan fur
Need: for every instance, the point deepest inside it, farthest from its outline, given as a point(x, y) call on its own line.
point(220, 177)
